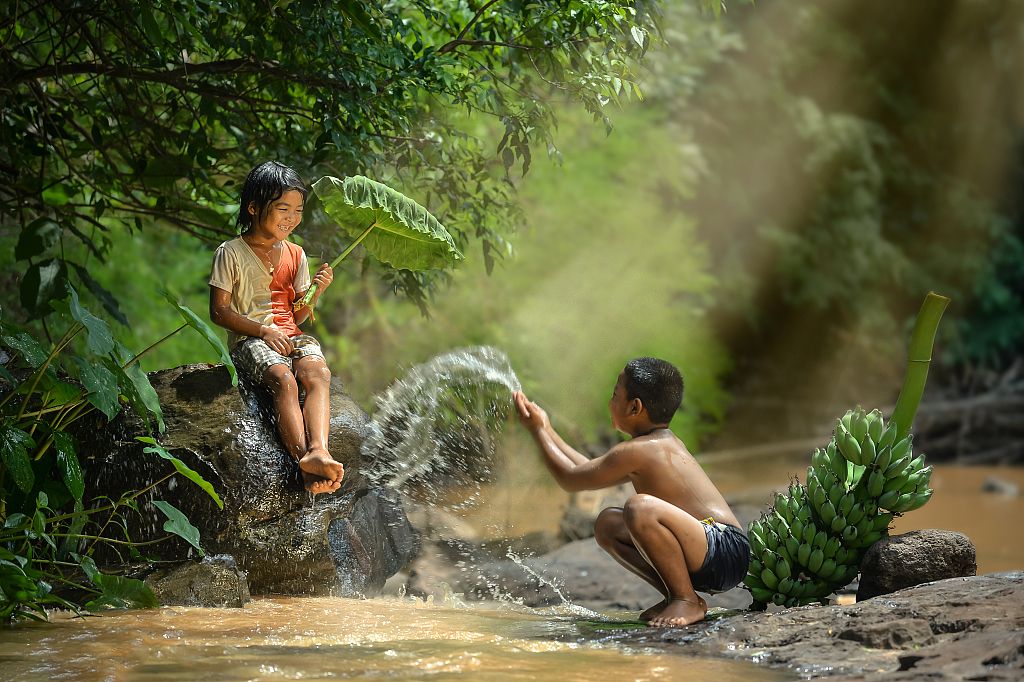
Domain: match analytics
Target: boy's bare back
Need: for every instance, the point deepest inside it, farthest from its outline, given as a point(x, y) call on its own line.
point(660, 465)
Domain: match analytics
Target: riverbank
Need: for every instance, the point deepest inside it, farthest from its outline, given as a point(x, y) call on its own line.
point(957, 629)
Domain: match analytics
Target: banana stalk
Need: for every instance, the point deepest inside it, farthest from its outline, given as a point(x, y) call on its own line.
point(919, 359)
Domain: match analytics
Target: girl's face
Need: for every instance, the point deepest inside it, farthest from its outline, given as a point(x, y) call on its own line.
point(283, 215)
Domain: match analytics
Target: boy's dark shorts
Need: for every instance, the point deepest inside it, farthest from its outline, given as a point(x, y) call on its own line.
point(253, 357)
point(726, 562)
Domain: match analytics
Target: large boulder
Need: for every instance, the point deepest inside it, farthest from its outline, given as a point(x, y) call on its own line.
point(286, 540)
point(917, 557)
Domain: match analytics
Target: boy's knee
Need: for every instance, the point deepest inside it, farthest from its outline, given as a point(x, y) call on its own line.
point(639, 509)
point(606, 524)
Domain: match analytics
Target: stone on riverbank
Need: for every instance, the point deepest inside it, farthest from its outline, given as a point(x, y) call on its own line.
point(214, 581)
point(914, 558)
point(287, 541)
point(956, 629)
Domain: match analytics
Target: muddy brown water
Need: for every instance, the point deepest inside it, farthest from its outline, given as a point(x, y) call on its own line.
point(328, 638)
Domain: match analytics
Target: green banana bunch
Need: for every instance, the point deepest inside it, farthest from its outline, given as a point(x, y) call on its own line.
point(812, 539)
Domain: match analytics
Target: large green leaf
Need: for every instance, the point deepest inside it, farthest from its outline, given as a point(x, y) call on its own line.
point(404, 236)
point(67, 462)
point(100, 340)
point(182, 468)
point(135, 385)
point(179, 524)
point(29, 348)
point(212, 337)
point(119, 592)
point(101, 385)
point(14, 448)
point(105, 298)
point(36, 238)
point(43, 282)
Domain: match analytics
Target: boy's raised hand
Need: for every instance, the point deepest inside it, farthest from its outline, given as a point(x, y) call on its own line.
point(531, 415)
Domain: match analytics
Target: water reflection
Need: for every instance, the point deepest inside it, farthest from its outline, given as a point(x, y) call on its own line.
point(331, 638)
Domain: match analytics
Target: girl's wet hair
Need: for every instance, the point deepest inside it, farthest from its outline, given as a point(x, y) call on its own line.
point(263, 186)
point(658, 384)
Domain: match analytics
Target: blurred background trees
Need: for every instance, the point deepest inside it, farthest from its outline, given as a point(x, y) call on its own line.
point(769, 217)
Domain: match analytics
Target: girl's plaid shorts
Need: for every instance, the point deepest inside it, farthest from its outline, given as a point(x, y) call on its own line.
point(253, 356)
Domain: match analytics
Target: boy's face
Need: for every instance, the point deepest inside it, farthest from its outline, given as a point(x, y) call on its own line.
point(618, 406)
point(283, 215)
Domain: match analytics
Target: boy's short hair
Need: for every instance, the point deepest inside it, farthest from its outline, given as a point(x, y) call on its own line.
point(658, 384)
point(263, 186)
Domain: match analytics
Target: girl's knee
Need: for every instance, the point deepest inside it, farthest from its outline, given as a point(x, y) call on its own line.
point(280, 380)
point(314, 375)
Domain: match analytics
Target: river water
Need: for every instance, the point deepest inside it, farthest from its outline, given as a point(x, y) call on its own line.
point(328, 638)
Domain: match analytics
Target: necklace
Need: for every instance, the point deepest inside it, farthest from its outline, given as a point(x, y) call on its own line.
point(265, 257)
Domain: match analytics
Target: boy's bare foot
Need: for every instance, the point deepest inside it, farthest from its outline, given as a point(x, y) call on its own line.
point(654, 610)
point(679, 612)
point(320, 472)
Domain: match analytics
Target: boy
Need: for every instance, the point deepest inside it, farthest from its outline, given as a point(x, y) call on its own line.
point(256, 278)
point(677, 533)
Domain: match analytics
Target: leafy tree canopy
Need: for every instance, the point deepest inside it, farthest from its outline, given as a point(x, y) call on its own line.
point(149, 114)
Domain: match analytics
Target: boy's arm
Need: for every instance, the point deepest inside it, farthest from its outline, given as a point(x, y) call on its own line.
point(571, 470)
point(222, 315)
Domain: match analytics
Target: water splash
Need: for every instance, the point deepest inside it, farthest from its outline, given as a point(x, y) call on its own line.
point(434, 431)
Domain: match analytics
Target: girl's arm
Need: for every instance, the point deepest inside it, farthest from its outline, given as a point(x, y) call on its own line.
point(222, 315)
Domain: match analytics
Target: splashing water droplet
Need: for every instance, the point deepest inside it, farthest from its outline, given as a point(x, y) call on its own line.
point(434, 430)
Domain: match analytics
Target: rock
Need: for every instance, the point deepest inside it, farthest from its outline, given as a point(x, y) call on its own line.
point(914, 558)
point(285, 539)
point(1000, 486)
point(968, 628)
point(214, 581)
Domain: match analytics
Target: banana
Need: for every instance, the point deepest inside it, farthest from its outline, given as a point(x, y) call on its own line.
point(845, 504)
point(761, 594)
point(856, 514)
point(771, 560)
point(769, 579)
point(782, 570)
point(786, 586)
point(755, 567)
point(792, 547)
point(809, 534)
point(753, 580)
point(835, 494)
point(849, 446)
point(820, 538)
point(846, 419)
point(814, 563)
point(911, 501)
point(828, 513)
point(849, 534)
point(884, 458)
point(903, 448)
point(875, 425)
point(876, 482)
point(917, 463)
point(888, 499)
point(869, 539)
point(779, 599)
point(838, 523)
point(831, 547)
point(859, 425)
point(797, 528)
point(803, 554)
point(888, 436)
point(835, 459)
point(863, 526)
point(870, 507)
point(867, 452)
point(827, 568)
point(771, 540)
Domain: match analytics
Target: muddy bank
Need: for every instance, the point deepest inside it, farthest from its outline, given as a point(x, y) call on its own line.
point(956, 629)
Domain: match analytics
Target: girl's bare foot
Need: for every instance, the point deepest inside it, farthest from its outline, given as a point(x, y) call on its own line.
point(318, 485)
point(320, 472)
point(679, 612)
point(654, 610)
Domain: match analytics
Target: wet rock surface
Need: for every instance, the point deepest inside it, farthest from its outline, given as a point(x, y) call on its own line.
point(278, 533)
point(214, 581)
point(914, 558)
point(956, 629)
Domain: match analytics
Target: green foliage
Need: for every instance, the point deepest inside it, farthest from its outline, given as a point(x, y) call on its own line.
point(49, 534)
point(150, 117)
